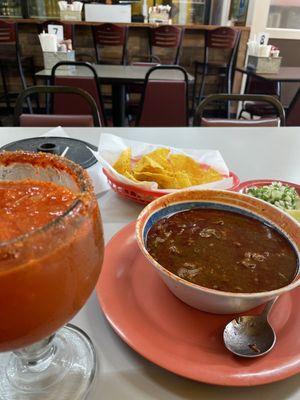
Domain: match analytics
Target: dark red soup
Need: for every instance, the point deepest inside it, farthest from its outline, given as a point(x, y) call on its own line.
point(223, 250)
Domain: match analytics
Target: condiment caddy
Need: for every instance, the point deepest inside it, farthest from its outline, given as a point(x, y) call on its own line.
point(55, 48)
point(70, 12)
point(263, 57)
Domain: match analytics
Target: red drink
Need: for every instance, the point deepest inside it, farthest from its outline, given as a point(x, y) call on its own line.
point(51, 249)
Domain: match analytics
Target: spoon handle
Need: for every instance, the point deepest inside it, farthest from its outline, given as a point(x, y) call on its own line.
point(268, 307)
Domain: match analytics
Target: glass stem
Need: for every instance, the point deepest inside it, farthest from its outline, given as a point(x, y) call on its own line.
point(38, 356)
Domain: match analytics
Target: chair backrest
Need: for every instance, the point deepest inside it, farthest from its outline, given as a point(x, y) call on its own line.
point(8, 32)
point(69, 31)
point(278, 109)
point(224, 38)
point(166, 36)
point(36, 120)
point(73, 91)
point(215, 122)
point(255, 85)
point(63, 104)
point(221, 38)
point(9, 43)
point(165, 97)
point(107, 35)
point(293, 112)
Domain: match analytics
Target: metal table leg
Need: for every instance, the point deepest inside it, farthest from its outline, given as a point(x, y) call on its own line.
point(118, 104)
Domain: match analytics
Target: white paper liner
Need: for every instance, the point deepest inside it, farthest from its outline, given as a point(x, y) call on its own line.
point(111, 146)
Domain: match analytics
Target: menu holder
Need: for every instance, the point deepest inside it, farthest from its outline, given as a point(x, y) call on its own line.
point(264, 65)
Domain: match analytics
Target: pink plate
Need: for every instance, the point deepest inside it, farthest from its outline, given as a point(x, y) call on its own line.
point(181, 339)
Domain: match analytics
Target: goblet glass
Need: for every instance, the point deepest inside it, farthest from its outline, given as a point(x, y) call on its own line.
point(46, 276)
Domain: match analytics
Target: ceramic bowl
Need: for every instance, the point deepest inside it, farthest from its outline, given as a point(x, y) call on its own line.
point(202, 298)
point(244, 186)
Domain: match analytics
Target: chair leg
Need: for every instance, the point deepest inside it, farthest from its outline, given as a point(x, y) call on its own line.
point(32, 65)
point(5, 88)
point(201, 91)
point(194, 89)
point(21, 72)
point(229, 84)
point(240, 114)
point(229, 80)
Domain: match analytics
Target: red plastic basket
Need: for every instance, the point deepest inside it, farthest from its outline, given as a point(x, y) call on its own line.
point(144, 196)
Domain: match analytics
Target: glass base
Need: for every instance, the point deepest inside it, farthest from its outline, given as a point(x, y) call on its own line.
point(67, 372)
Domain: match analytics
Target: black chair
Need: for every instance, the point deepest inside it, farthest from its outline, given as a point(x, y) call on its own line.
point(90, 84)
point(199, 120)
point(166, 37)
point(110, 36)
point(224, 38)
point(165, 99)
point(293, 111)
point(255, 85)
point(56, 119)
point(11, 57)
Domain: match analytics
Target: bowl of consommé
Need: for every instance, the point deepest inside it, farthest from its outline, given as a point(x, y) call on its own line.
point(219, 251)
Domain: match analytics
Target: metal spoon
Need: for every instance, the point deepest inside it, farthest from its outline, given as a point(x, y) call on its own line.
point(250, 335)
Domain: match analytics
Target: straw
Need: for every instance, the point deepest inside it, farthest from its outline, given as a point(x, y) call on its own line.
point(65, 151)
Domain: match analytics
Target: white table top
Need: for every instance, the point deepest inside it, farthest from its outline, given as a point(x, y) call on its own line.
point(249, 152)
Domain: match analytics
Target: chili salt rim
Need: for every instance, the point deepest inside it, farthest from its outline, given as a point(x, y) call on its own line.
point(85, 197)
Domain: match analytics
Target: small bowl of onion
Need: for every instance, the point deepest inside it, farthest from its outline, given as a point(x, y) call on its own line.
point(282, 194)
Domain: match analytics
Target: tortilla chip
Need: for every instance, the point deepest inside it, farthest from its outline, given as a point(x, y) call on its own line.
point(169, 171)
point(209, 175)
point(181, 162)
point(181, 180)
point(123, 163)
point(197, 174)
point(164, 181)
point(155, 161)
point(159, 153)
point(130, 176)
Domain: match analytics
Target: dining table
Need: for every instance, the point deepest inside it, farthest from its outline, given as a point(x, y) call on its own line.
point(284, 74)
point(262, 152)
point(118, 76)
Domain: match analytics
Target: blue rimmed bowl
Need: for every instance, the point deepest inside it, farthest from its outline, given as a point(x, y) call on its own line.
point(200, 297)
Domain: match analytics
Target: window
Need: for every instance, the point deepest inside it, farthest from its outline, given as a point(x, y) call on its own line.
point(284, 14)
